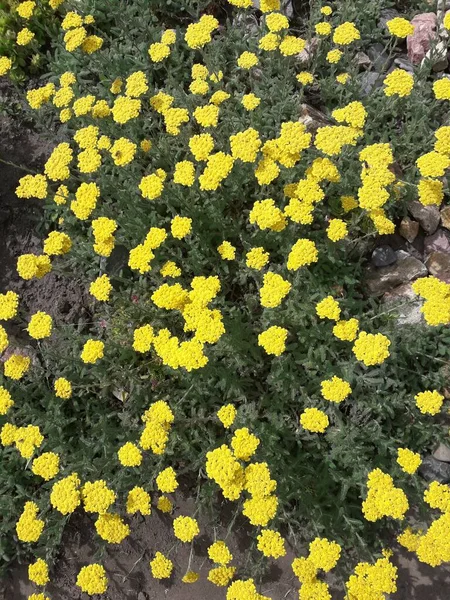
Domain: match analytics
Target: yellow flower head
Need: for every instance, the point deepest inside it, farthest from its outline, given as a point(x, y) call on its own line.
point(92, 579)
point(185, 528)
point(314, 420)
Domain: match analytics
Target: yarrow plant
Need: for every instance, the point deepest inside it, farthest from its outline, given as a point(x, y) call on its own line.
point(220, 239)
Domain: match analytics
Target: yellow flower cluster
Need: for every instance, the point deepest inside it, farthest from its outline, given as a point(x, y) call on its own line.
point(371, 349)
point(92, 579)
point(38, 572)
point(398, 83)
point(138, 500)
point(436, 308)
point(408, 460)
point(274, 289)
point(30, 266)
point(346, 330)
point(37, 97)
point(400, 27)
point(4, 340)
point(111, 528)
point(328, 308)
point(220, 553)
point(63, 388)
point(6, 401)
point(26, 439)
point(101, 288)
point(221, 576)
point(161, 566)
point(32, 186)
point(345, 34)
point(103, 229)
point(314, 420)
point(129, 455)
point(9, 304)
point(85, 201)
point(185, 528)
point(383, 498)
point(429, 402)
point(205, 323)
point(273, 340)
point(93, 351)
point(372, 582)
point(271, 544)
point(227, 415)
point(257, 258)
point(166, 481)
point(65, 495)
point(441, 89)
point(158, 420)
point(244, 444)
point(29, 528)
point(97, 497)
point(304, 252)
point(199, 34)
point(46, 465)
point(335, 389)
point(323, 555)
point(40, 326)
point(57, 243)
point(376, 176)
point(16, 366)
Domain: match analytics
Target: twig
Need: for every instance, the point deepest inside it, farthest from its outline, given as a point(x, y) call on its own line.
point(11, 164)
point(124, 577)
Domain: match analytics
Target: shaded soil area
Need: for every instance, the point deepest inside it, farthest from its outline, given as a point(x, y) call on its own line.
point(128, 568)
point(21, 230)
point(130, 576)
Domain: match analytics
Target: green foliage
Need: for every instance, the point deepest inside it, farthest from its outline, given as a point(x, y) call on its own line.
point(321, 479)
point(30, 60)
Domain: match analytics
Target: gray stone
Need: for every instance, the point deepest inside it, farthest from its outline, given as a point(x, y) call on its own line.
point(362, 60)
point(408, 304)
point(432, 469)
point(442, 453)
point(383, 256)
point(438, 242)
point(401, 254)
point(386, 15)
point(413, 251)
point(370, 81)
point(382, 280)
point(438, 264)
point(306, 54)
point(312, 118)
point(248, 21)
point(425, 32)
point(142, 596)
point(379, 58)
point(404, 63)
point(445, 217)
point(120, 394)
point(16, 346)
point(287, 8)
point(5, 214)
point(409, 229)
point(428, 216)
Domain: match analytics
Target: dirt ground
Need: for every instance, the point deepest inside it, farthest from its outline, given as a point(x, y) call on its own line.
point(130, 578)
point(127, 566)
point(128, 569)
point(21, 231)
